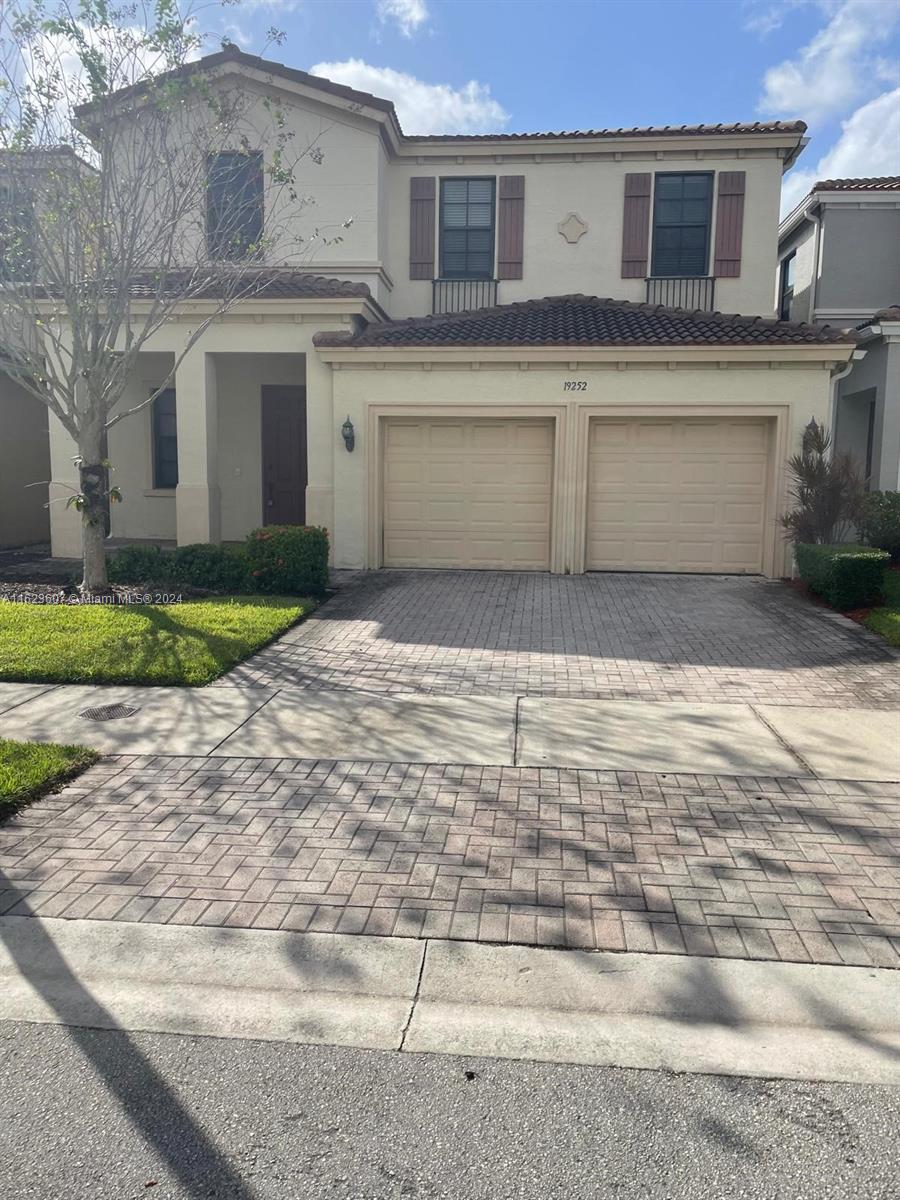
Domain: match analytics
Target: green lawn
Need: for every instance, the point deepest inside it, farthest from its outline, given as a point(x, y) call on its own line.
point(29, 770)
point(188, 643)
point(886, 620)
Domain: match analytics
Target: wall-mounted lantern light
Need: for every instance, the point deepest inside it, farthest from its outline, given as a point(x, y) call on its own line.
point(348, 433)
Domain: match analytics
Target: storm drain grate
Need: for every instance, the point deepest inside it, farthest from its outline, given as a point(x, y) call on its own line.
point(107, 712)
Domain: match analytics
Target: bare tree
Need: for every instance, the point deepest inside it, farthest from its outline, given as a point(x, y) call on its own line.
point(130, 182)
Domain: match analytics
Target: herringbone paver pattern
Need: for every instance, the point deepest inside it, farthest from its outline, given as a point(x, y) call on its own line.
point(793, 869)
point(605, 636)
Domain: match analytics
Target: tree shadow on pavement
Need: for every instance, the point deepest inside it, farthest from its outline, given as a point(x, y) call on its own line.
point(148, 1101)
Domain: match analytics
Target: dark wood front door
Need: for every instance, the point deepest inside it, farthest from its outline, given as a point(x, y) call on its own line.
point(284, 469)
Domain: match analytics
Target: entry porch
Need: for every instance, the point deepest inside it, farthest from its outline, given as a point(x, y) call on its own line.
point(240, 436)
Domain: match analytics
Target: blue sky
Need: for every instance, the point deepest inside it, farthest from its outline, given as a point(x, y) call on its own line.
point(518, 65)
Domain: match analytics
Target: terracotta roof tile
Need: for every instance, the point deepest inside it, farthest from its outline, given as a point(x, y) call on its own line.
point(272, 284)
point(891, 313)
point(738, 127)
point(881, 183)
point(232, 53)
point(585, 321)
point(267, 283)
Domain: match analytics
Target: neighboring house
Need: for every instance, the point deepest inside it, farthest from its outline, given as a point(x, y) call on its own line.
point(839, 262)
point(24, 438)
point(568, 434)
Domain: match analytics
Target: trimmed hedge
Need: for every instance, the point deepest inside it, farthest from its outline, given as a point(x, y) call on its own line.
point(847, 576)
point(879, 522)
point(279, 559)
point(289, 559)
point(211, 568)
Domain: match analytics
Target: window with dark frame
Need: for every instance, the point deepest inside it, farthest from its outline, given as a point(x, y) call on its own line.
point(165, 440)
point(786, 286)
point(467, 228)
point(682, 215)
point(234, 204)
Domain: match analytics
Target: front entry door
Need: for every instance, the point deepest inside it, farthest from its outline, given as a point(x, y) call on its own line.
point(284, 469)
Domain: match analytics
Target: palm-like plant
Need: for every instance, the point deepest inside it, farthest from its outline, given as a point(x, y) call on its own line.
point(827, 490)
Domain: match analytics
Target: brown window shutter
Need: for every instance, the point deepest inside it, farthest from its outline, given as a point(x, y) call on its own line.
point(511, 227)
point(729, 224)
point(636, 225)
point(421, 227)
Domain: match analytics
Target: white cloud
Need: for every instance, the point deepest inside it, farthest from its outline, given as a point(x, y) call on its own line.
point(869, 145)
point(422, 107)
point(766, 18)
point(838, 67)
point(408, 15)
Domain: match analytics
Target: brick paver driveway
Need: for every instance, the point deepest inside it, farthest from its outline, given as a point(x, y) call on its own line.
point(798, 869)
point(609, 636)
point(780, 869)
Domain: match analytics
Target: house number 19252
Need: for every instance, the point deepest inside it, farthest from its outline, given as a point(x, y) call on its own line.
point(575, 385)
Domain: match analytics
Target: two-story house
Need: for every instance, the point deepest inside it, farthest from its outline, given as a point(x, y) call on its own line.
point(510, 360)
point(839, 262)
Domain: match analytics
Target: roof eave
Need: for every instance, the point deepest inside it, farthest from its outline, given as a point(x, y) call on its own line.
point(821, 352)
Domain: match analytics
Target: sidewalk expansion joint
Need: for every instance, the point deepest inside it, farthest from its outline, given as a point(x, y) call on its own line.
point(783, 741)
point(248, 717)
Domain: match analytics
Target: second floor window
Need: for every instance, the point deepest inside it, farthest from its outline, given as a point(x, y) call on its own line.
point(682, 210)
point(165, 440)
point(467, 228)
point(234, 204)
point(786, 286)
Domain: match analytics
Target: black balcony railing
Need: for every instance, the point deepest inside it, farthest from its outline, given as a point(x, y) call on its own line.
point(682, 291)
point(460, 295)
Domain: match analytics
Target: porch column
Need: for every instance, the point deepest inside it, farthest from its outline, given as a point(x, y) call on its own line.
point(197, 509)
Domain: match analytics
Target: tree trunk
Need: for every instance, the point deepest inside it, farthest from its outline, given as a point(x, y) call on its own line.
point(92, 479)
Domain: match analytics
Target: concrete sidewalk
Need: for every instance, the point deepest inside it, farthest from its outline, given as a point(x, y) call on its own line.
point(772, 1020)
point(633, 735)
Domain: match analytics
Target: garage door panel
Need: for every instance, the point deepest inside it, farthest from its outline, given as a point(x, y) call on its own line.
point(681, 495)
point(467, 493)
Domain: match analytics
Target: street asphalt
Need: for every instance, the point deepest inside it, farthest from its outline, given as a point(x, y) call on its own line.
point(101, 1115)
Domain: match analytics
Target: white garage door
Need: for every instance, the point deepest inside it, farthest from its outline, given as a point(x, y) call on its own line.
point(677, 494)
point(467, 493)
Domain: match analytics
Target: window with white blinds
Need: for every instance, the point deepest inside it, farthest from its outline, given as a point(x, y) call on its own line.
point(467, 228)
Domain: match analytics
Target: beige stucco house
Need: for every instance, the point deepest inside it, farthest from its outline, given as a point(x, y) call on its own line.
point(569, 434)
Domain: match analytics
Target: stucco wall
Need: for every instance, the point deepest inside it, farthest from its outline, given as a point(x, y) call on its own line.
point(800, 392)
point(860, 259)
point(239, 380)
point(803, 241)
point(595, 191)
point(356, 181)
point(24, 459)
point(332, 152)
point(144, 512)
point(245, 354)
point(878, 374)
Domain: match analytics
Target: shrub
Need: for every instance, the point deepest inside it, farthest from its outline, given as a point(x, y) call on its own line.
point(846, 575)
point(289, 559)
point(217, 568)
point(826, 488)
point(879, 522)
point(137, 564)
point(212, 568)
